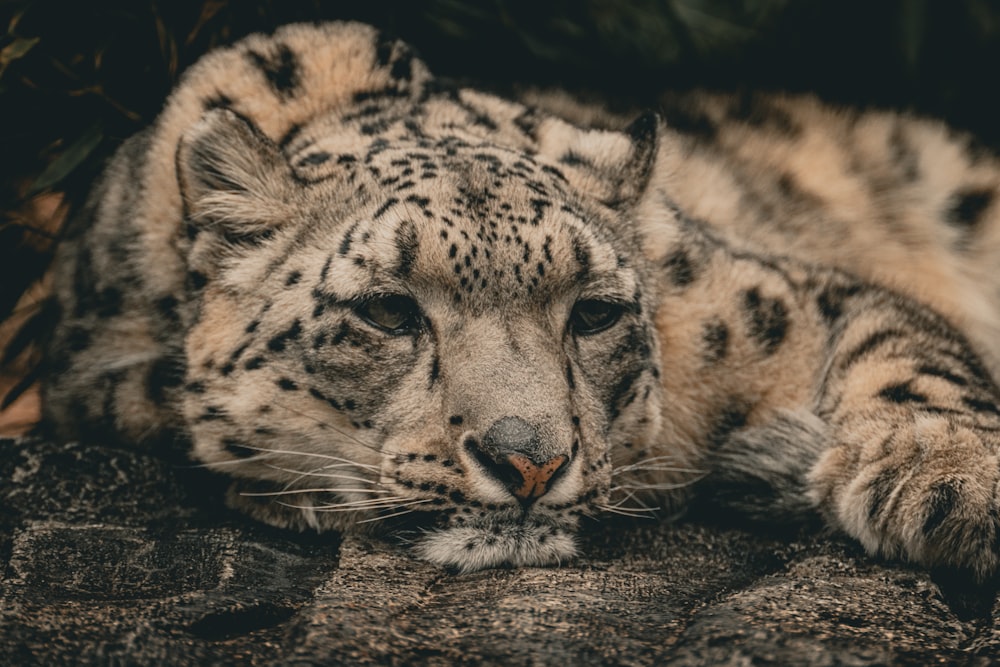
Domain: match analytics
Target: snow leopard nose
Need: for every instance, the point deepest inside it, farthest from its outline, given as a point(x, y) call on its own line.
point(512, 451)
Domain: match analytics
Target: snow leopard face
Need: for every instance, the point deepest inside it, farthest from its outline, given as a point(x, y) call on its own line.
point(444, 329)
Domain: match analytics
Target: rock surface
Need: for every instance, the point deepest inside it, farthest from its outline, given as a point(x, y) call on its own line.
point(115, 557)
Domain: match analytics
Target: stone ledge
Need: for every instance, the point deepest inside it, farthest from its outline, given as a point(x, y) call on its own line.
point(113, 556)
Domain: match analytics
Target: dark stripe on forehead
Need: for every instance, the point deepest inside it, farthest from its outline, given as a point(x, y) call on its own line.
point(582, 255)
point(389, 203)
point(406, 245)
point(345, 243)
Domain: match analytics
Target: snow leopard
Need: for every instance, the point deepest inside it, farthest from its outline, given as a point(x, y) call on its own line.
point(372, 298)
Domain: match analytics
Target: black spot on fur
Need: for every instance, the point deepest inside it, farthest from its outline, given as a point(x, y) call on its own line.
point(238, 449)
point(944, 499)
point(881, 489)
point(293, 278)
point(456, 420)
point(77, 339)
point(165, 373)
point(317, 394)
point(289, 136)
point(196, 279)
point(319, 157)
point(759, 111)
point(253, 363)
point(790, 188)
point(681, 115)
point(901, 392)
point(527, 121)
point(966, 207)
point(281, 69)
point(570, 379)
point(212, 413)
point(868, 345)
point(340, 334)
point(287, 385)
point(905, 156)
point(731, 418)
point(402, 68)
point(679, 268)
point(279, 342)
point(219, 101)
point(108, 302)
point(539, 206)
point(767, 320)
point(715, 335)
point(573, 159)
point(435, 371)
point(555, 172)
point(622, 394)
point(937, 372)
point(980, 405)
point(832, 299)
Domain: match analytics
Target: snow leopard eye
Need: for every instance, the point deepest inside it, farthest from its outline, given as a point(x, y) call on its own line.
point(395, 314)
point(592, 316)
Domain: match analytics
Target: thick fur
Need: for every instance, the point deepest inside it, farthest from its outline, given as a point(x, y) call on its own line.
point(365, 294)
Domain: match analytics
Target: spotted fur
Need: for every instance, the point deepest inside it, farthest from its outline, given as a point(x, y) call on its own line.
point(370, 297)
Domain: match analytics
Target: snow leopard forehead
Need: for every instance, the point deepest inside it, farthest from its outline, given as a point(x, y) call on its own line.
point(474, 225)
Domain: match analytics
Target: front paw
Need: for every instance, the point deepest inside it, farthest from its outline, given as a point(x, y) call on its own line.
point(926, 490)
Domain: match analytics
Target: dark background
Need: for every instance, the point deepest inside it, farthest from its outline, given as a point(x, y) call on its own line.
point(79, 76)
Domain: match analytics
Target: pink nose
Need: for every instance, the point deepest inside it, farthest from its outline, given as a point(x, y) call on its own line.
point(534, 478)
point(513, 452)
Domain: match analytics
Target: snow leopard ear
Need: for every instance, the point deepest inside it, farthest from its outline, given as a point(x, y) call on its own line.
point(613, 167)
point(232, 176)
point(644, 133)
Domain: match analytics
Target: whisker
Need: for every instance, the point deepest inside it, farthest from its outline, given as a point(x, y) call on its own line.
point(325, 475)
point(294, 491)
point(326, 457)
point(335, 429)
point(372, 503)
point(366, 503)
point(655, 463)
point(395, 514)
point(656, 468)
point(627, 511)
point(213, 464)
point(383, 518)
point(630, 495)
point(653, 487)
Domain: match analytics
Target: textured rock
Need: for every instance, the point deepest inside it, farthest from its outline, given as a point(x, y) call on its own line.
point(113, 556)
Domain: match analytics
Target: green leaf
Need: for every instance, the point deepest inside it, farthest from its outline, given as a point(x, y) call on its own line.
point(16, 50)
point(70, 159)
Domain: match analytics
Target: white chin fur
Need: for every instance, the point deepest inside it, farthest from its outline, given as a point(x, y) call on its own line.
point(470, 548)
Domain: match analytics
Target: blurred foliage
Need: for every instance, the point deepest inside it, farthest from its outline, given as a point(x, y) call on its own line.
point(77, 77)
